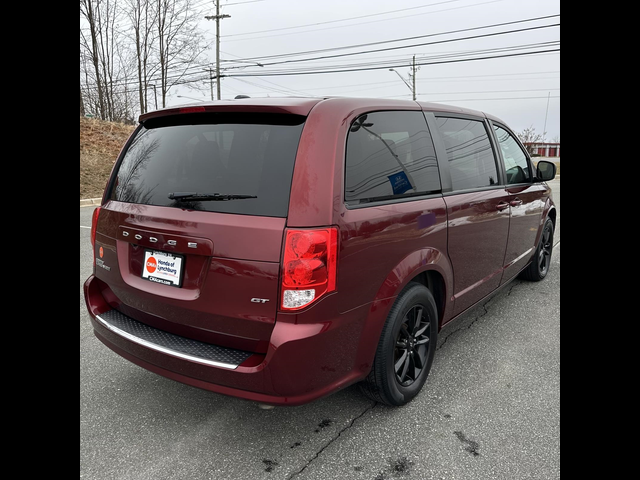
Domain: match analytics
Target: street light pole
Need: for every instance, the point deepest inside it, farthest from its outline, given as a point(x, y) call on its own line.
point(413, 89)
point(217, 18)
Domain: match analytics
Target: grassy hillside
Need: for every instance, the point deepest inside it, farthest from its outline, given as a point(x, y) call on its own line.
point(100, 143)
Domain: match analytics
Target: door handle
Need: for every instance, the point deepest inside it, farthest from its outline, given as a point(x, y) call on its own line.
point(516, 202)
point(502, 205)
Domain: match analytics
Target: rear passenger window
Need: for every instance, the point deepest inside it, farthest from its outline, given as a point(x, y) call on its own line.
point(389, 155)
point(515, 161)
point(469, 152)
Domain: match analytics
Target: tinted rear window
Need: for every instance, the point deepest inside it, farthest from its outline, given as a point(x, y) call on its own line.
point(236, 154)
point(390, 155)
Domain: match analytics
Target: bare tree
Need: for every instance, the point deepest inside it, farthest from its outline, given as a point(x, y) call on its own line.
point(556, 139)
point(180, 44)
point(106, 18)
point(529, 137)
point(124, 99)
point(127, 46)
point(87, 8)
point(101, 41)
point(143, 16)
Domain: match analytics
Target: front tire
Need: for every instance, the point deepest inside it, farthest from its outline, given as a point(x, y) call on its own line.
point(406, 348)
point(539, 266)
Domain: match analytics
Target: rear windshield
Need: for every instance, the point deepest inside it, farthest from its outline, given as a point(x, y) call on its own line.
point(228, 154)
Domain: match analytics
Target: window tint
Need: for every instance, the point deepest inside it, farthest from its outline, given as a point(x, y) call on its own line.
point(250, 155)
point(389, 155)
point(469, 152)
point(515, 160)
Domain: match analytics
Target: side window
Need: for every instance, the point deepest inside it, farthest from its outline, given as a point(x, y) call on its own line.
point(389, 155)
point(469, 152)
point(515, 160)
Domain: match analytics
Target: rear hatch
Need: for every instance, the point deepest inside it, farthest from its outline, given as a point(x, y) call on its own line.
point(189, 237)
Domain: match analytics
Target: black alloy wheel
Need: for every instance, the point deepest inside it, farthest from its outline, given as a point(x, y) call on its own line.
point(406, 348)
point(539, 266)
point(412, 346)
point(544, 257)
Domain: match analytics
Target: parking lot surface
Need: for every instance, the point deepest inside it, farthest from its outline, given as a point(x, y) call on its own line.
point(490, 408)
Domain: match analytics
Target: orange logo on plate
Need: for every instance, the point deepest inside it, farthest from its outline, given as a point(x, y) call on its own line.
point(151, 265)
point(101, 252)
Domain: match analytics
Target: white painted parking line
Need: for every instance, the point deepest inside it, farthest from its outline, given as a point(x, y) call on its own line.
point(82, 226)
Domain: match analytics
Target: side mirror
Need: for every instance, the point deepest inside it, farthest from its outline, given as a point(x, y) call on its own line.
point(546, 170)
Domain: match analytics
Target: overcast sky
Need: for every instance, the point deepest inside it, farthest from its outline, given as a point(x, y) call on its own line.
point(518, 88)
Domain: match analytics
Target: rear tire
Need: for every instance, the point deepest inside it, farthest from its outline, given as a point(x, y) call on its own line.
point(406, 348)
point(539, 266)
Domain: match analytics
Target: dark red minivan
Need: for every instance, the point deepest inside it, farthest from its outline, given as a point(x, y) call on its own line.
point(278, 250)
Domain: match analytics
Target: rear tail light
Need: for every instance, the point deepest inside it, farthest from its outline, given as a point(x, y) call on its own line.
point(94, 224)
point(309, 266)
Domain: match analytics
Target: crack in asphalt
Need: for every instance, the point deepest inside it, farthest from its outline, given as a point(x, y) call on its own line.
point(369, 408)
point(515, 284)
point(472, 445)
point(484, 306)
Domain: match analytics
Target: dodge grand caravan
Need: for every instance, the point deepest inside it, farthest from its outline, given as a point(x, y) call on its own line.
point(279, 250)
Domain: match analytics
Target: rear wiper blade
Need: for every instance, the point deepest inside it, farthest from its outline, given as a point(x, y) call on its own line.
point(206, 196)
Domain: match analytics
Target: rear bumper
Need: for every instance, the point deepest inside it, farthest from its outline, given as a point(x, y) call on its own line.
point(304, 361)
point(170, 344)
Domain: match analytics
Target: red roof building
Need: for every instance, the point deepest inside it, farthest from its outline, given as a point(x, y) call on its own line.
point(544, 149)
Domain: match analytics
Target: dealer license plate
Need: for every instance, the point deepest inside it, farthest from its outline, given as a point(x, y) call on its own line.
point(162, 267)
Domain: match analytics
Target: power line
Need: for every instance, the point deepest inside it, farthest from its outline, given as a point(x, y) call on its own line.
point(468, 99)
point(298, 92)
point(497, 91)
point(342, 90)
point(491, 75)
point(396, 61)
point(273, 74)
point(405, 62)
point(348, 47)
point(150, 80)
point(240, 3)
point(410, 46)
point(364, 23)
point(224, 5)
point(467, 53)
point(272, 89)
point(133, 91)
point(443, 79)
point(480, 99)
point(339, 20)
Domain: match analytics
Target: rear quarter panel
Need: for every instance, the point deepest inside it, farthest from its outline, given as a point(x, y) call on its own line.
point(381, 248)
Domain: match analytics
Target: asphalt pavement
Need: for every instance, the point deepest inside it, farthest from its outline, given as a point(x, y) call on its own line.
point(490, 408)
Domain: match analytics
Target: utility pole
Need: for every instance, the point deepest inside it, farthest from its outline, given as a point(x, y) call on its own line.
point(413, 77)
point(217, 18)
